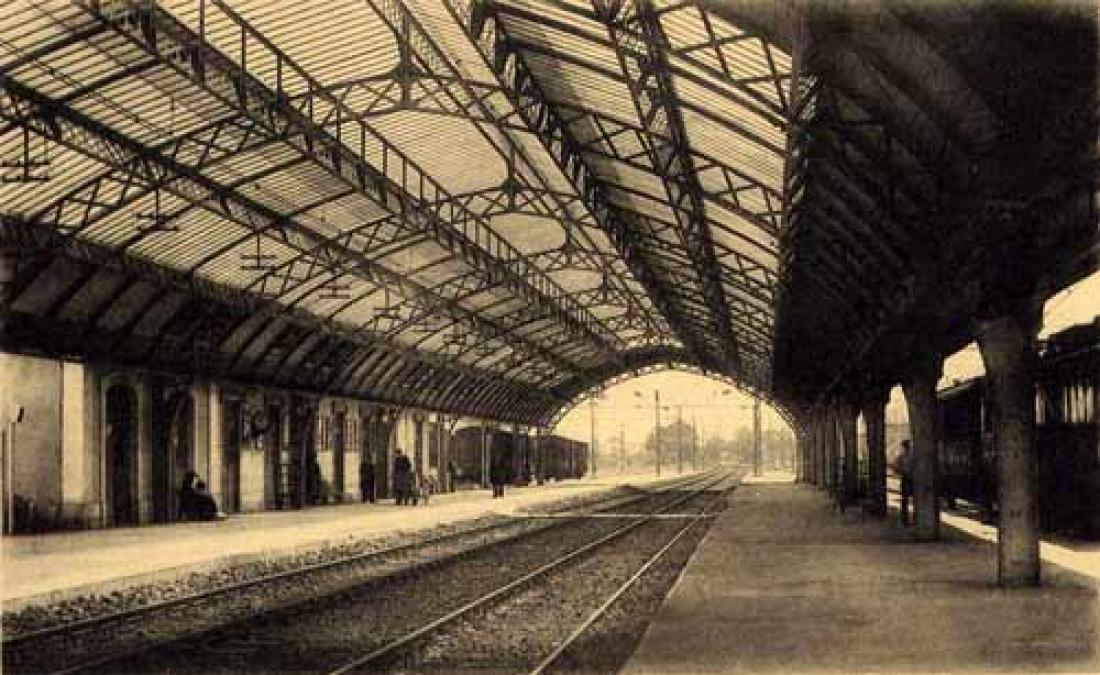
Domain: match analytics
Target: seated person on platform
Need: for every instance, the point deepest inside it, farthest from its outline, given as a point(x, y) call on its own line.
point(187, 496)
point(205, 506)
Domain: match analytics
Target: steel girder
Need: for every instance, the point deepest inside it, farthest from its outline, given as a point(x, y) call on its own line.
point(738, 91)
point(546, 123)
point(419, 44)
point(341, 344)
point(23, 106)
point(418, 199)
point(645, 361)
point(503, 200)
point(428, 100)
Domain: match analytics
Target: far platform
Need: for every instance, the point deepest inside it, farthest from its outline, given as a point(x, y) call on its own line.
point(47, 567)
point(784, 584)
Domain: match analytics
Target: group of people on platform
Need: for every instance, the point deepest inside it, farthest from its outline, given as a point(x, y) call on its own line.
point(410, 486)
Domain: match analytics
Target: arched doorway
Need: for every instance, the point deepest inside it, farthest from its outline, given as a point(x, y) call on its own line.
point(120, 442)
point(173, 423)
point(339, 447)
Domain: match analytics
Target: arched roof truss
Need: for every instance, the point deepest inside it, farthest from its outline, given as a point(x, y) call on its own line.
point(490, 207)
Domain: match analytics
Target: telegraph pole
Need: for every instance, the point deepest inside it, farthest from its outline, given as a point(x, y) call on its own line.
point(592, 445)
point(694, 444)
point(679, 439)
point(756, 451)
point(622, 448)
point(657, 428)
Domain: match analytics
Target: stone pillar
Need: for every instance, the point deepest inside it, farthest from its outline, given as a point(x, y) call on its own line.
point(874, 417)
point(826, 464)
point(819, 448)
point(441, 444)
point(1008, 351)
point(216, 439)
point(800, 458)
point(811, 452)
point(832, 479)
point(76, 473)
point(200, 431)
point(9, 264)
point(920, 397)
point(536, 456)
point(847, 413)
point(485, 455)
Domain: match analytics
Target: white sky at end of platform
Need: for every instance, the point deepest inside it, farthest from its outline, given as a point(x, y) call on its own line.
point(723, 415)
point(701, 399)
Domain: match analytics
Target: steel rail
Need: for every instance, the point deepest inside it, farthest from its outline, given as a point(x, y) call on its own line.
point(91, 622)
point(83, 625)
point(390, 648)
point(595, 616)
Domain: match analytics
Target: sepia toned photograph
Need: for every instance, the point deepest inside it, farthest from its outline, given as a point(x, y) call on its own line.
point(653, 337)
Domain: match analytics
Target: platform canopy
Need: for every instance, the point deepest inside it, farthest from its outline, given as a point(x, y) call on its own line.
point(490, 207)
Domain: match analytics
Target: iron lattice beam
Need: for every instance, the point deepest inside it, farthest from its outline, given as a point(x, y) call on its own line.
point(417, 198)
point(431, 93)
point(61, 124)
point(546, 123)
point(640, 45)
point(418, 44)
point(242, 307)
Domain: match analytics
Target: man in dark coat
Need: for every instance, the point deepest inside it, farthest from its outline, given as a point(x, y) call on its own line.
point(402, 469)
point(366, 479)
point(903, 466)
point(186, 496)
point(205, 507)
point(499, 474)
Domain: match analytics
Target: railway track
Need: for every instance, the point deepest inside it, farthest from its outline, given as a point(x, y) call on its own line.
point(95, 643)
point(430, 649)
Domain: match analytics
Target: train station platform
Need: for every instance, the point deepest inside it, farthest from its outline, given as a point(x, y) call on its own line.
point(785, 584)
point(49, 567)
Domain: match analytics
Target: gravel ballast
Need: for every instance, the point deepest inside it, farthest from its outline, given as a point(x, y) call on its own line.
point(384, 576)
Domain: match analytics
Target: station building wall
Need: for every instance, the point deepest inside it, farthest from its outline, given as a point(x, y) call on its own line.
point(245, 442)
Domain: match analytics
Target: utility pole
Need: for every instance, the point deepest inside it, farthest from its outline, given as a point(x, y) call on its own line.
point(694, 444)
point(622, 448)
point(756, 451)
point(592, 445)
point(679, 439)
point(657, 427)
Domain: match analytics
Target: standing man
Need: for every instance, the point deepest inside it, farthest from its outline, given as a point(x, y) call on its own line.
point(402, 470)
point(366, 479)
point(903, 466)
point(452, 475)
point(496, 477)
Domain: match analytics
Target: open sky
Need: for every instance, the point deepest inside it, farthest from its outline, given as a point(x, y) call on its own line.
point(720, 409)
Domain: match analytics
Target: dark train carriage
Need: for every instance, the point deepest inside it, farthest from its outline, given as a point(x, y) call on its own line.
point(1066, 430)
point(967, 461)
point(562, 457)
point(557, 458)
point(1066, 435)
point(466, 455)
